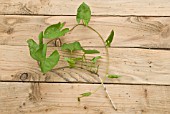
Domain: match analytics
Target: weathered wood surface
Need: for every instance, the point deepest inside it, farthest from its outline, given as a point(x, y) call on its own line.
point(137, 24)
point(99, 7)
point(50, 98)
point(148, 32)
point(134, 65)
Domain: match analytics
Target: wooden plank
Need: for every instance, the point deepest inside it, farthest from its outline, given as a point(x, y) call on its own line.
point(134, 65)
point(148, 32)
point(53, 98)
point(100, 7)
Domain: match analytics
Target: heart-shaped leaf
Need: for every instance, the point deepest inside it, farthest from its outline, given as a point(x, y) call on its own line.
point(55, 31)
point(71, 46)
point(39, 53)
point(90, 51)
point(109, 39)
point(49, 63)
point(83, 13)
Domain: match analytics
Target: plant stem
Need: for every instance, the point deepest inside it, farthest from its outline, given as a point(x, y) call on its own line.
point(51, 40)
point(107, 68)
point(110, 99)
point(74, 27)
point(55, 41)
point(106, 48)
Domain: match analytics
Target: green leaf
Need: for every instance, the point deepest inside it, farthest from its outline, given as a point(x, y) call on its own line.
point(41, 52)
point(33, 47)
point(109, 39)
point(50, 62)
point(78, 59)
point(86, 94)
point(44, 50)
point(83, 13)
point(40, 37)
point(94, 60)
point(55, 31)
point(72, 61)
point(37, 52)
point(113, 76)
point(90, 51)
point(71, 46)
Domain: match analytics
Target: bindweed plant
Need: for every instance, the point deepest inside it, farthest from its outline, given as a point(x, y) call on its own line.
point(54, 32)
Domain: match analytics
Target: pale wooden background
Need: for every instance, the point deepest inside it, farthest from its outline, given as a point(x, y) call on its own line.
point(140, 54)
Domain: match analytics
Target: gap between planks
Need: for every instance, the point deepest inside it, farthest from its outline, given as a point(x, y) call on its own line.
point(36, 15)
point(95, 83)
point(108, 7)
point(109, 47)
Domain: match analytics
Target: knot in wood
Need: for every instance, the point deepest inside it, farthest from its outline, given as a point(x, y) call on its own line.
point(10, 31)
point(24, 76)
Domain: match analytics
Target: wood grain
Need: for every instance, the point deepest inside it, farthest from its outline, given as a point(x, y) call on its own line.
point(138, 24)
point(141, 66)
point(99, 7)
point(53, 98)
point(148, 32)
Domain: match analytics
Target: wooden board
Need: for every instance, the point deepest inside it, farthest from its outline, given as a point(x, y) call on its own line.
point(53, 98)
point(140, 66)
point(147, 32)
point(99, 7)
point(140, 54)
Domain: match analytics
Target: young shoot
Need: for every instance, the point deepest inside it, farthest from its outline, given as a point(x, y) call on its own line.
point(38, 51)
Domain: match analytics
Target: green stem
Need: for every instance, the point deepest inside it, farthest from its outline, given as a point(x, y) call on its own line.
point(74, 27)
point(103, 41)
point(106, 49)
point(107, 67)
